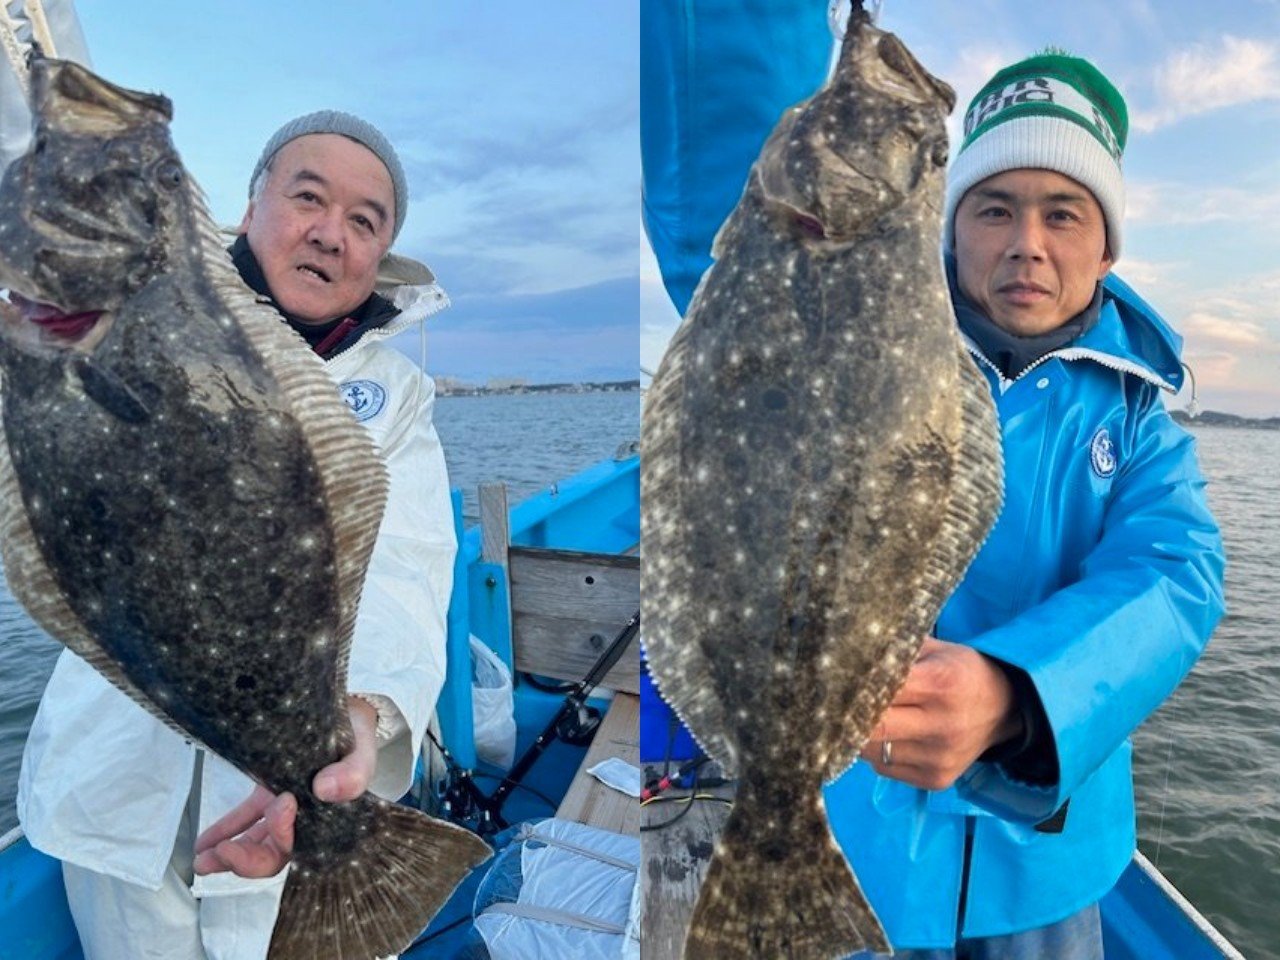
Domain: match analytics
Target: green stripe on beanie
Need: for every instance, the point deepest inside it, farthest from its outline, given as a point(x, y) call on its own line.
point(1053, 112)
point(1027, 87)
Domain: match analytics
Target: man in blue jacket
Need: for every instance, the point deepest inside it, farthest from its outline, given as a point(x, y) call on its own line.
point(996, 808)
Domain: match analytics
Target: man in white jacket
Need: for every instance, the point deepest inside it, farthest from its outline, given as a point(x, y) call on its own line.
point(119, 797)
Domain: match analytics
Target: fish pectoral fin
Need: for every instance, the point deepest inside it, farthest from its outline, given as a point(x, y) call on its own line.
point(111, 392)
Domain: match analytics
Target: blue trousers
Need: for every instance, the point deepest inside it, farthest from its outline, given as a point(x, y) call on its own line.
point(1078, 937)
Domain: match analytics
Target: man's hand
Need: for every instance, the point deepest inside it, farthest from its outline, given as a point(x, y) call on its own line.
point(255, 839)
point(955, 705)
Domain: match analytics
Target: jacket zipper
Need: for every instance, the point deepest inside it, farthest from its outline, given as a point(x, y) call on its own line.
point(1069, 354)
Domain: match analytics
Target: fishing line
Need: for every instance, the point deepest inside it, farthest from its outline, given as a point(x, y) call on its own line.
point(520, 786)
point(1164, 799)
point(1168, 763)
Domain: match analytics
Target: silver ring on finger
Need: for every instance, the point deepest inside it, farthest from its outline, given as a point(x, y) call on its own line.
point(886, 753)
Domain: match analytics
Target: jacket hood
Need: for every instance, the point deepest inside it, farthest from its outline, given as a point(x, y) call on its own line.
point(1131, 331)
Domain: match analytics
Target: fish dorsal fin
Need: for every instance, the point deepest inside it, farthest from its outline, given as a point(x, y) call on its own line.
point(677, 662)
point(352, 474)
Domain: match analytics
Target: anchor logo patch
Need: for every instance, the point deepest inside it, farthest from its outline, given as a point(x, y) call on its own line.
point(366, 398)
point(1102, 454)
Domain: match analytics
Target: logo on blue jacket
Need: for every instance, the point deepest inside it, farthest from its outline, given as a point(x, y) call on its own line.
point(1102, 453)
point(366, 398)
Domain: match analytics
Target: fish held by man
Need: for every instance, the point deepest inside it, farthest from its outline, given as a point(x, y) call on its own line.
point(187, 504)
point(821, 463)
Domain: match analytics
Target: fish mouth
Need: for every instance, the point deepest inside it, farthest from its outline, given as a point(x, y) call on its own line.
point(41, 327)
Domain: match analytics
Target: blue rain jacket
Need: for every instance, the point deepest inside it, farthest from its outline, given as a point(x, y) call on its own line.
point(715, 76)
point(1102, 579)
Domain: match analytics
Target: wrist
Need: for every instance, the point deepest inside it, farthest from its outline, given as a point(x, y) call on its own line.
point(385, 717)
point(1029, 755)
point(1014, 732)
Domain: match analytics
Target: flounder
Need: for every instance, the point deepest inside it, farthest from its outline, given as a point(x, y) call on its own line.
point(187, 504)
point(820, 464)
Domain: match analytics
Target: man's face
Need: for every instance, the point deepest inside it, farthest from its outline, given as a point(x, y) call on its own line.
point(1030, 247)
point(321, 224)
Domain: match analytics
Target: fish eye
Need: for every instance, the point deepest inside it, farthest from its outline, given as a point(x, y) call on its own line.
point(810, 225)
point(170, 174)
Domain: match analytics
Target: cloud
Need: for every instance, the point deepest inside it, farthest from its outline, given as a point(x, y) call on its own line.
point(611, 304)
point(1170, 202)
point(1145, 273)
point(1212, 368)
point(658, 316)
point(456, 153)
point(972, 67)
point(1231, 332)
point(1206, 77)
point(576, 334)
point(463, 272)
point(536, 356)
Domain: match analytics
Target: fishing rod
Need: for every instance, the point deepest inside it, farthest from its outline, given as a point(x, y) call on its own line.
point(574, 722)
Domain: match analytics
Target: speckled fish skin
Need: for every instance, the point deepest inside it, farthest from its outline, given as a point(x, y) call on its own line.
point(187, 504)
point(821, 463)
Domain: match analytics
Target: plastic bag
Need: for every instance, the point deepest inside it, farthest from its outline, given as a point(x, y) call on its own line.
point(492, 706)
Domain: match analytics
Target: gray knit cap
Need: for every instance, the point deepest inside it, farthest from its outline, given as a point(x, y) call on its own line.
point(348, 125)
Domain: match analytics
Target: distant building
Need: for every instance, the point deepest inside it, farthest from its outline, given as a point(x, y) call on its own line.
point(446, 386)
point(506, 384)
point(454, 386)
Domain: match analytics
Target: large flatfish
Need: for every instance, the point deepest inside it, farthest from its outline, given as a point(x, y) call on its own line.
point(820, 464)
point(187, 504)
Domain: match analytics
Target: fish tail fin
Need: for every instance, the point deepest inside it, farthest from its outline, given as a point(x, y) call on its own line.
point(380, 872)
point(779, 886)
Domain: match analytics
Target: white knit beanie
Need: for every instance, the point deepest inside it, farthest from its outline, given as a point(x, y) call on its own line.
point(1049, 112)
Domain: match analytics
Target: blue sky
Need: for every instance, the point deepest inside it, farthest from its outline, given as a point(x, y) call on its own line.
point(1202, 82)
point(517, 124)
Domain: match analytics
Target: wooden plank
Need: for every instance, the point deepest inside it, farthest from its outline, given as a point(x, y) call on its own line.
point(566, 608)
point(590, 801)
point(495, 522)
point(550, 580)
point(674, 862)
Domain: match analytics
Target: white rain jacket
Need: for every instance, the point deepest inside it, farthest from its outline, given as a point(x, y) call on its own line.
point(104, 784)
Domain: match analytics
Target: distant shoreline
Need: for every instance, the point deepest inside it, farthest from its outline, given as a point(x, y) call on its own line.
point(447, 388)
point(1211, 418)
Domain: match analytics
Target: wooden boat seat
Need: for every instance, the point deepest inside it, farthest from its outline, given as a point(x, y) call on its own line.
point(588, 800)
